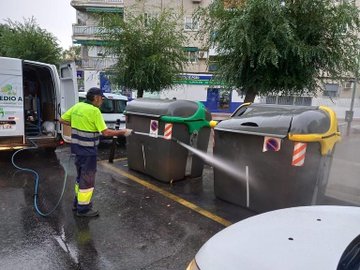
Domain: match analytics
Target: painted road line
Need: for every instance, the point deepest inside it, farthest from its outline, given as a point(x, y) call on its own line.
point(169, 195)
point(120, 159)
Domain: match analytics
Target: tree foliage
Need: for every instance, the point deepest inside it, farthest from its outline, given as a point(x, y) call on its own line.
point(28, 41)
point(282, 46)
point(149, 50)
point(72, 54)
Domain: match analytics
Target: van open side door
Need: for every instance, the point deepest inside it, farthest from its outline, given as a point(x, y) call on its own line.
point(69, 94)
point(12, 130)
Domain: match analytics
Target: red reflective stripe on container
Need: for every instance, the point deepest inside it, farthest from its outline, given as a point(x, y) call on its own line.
point(298, 157)
point(168, 131)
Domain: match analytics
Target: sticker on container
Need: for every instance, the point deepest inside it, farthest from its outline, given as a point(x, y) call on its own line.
point(298, 157)
point(154, 128)
point(168, 131)
point(271, 144)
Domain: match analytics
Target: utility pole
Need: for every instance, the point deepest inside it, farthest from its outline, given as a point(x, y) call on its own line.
point(350, 114)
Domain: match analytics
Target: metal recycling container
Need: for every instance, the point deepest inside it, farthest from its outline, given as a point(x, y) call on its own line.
point(284, 152)
point(162, 158)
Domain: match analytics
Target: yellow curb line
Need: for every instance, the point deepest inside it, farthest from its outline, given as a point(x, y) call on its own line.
point(169, 195)
point(120, 159)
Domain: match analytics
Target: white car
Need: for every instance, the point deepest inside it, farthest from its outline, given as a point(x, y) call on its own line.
point(112, 109)
point(301, 238)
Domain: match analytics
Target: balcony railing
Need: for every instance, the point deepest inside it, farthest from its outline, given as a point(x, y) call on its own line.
point(87, 30)
point(98, 63)
point(96, 2)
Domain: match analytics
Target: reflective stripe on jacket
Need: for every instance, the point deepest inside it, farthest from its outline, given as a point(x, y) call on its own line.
point(84, 142)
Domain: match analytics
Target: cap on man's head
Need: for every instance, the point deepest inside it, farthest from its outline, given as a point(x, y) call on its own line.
point(92, 92)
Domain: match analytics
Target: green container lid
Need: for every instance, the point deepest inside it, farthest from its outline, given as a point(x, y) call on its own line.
point(190, 113)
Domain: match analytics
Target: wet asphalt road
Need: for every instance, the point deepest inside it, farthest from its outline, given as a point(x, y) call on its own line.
point(137, 227)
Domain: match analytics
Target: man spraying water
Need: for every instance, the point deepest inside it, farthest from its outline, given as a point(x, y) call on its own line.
point(87, 123)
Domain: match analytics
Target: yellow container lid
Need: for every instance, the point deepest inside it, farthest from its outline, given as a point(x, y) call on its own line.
point(326, 139)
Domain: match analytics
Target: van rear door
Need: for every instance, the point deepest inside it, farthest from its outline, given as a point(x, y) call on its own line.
point(69, 93)
point(11, 102)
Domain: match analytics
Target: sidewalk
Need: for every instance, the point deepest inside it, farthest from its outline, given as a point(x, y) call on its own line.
point(343, 181)
point(220, 116)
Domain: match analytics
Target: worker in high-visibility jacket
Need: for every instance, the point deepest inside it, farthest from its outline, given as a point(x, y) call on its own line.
point(87, 123)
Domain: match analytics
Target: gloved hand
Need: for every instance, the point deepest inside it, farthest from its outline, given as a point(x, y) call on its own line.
point(128, 132)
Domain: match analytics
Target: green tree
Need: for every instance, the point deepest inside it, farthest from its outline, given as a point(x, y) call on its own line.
point(4, 29)
point(72, 54)
point(284, 46)
point(149, 50)
point(28, 41)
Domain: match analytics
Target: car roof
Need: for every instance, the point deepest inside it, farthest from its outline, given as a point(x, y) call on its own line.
point(309, 237)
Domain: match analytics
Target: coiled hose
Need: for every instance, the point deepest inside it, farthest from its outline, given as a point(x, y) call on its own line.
point(36, 187)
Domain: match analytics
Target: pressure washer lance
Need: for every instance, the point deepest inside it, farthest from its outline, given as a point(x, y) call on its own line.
point(157, 136)
point(212, 124)
point(36, 187)
point(113, 145)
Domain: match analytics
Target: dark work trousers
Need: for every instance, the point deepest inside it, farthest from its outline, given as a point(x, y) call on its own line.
point(85, 182)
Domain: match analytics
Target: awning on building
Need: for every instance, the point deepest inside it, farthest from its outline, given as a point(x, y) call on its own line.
point(91, 42)
point(105, 9)
point(191, 49)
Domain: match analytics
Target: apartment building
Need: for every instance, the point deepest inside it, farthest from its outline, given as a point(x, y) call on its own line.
point(87, 28)
point(196, 82)
point(85, 33)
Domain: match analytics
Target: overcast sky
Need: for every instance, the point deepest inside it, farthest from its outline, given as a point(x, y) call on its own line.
point(56, 16)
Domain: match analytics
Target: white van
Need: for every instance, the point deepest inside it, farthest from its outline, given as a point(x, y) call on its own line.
point(32, 99)
point(112, 109)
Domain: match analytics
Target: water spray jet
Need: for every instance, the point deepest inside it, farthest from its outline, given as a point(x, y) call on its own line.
point(208, 159)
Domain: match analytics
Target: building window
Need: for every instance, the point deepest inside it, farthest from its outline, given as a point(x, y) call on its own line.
point(224, 99)
point(303, 101)
point(146, 19)
point(192, 54)
point(149, 17)
point(193, 57)
point(289, 100)
point(191, 24)
point(331, 90)
point(271, 100)
point(213, 67)
point(286, 100)
point(348, 85)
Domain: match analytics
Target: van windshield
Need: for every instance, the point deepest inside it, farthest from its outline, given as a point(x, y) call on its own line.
point(113, 106)
point(110, 105)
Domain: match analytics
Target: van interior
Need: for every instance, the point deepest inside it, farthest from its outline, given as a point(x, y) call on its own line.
point(39, 101)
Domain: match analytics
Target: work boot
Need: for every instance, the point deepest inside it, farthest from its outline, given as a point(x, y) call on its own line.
point(90, 213)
